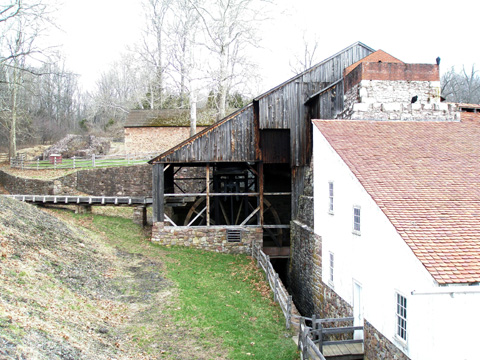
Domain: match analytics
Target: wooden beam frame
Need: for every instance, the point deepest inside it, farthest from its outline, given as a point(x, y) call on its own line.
point(158, 192)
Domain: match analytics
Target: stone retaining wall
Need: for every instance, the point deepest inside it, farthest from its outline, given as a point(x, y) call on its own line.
point(305, 272)
point(117, 181)
point(211, 238)
point(17, 185)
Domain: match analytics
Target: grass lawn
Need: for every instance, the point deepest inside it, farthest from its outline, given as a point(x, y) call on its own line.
point(223, 297)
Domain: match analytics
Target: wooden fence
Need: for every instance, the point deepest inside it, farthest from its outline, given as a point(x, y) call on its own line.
point(280, 294)
point(93, 161)
point(3, 158)
point(311, 339)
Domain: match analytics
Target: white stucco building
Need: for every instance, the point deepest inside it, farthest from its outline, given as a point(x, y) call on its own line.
point(397, 206)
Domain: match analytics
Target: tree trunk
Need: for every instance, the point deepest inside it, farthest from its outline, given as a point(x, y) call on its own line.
point(193, 113)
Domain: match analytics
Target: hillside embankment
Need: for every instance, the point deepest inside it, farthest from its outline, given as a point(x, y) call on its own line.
point(67, 294)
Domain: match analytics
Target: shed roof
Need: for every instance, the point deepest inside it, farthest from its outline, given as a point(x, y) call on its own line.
point(203, 145)
point(167, 117)
point(425, 176)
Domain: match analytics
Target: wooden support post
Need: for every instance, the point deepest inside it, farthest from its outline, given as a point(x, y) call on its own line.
point(158, 192)
point(208, 193)
point(260, 191)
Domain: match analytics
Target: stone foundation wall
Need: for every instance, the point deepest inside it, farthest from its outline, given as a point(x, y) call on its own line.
point(305, 272)
point(211, 238)
point(330, 304)
point(378, 347)
point(391, 100)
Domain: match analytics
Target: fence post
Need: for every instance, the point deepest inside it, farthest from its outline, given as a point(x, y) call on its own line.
point(320, 338)
point(289, 312)
point(73, 158)
point(93, 160)
point(22, 161)
point(275, 288)
point(314, 327)
point(38, 163)
point(300, 333)
point(55, 162)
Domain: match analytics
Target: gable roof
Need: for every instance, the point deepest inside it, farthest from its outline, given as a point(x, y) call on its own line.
point(377, 56)
point(425, 176)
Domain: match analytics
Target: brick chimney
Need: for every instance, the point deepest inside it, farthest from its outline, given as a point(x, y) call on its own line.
point(381, 87)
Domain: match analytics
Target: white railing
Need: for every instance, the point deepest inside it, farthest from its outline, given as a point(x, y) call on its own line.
point(75, 162)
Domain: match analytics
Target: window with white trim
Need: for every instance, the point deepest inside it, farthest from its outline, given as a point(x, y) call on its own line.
point(356, 220)
point(332, 263)
point(330, 197)
point(402, 317)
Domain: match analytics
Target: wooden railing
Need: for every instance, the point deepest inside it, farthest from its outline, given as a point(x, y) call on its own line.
point(306, 345)
point(93, 161)
point(312, 340)
point(3, 158)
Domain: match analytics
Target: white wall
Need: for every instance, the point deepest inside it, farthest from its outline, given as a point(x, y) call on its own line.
point(383, 264)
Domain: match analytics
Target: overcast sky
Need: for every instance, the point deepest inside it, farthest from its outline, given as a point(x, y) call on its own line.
point(415, 31)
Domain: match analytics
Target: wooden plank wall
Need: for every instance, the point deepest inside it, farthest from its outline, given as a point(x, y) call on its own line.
point(283, 107)
point(231, 140)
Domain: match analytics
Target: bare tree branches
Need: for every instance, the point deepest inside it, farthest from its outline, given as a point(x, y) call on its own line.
point(461, 87)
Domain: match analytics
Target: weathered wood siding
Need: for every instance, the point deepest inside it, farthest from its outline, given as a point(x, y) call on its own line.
point(283, 107)
point(232, 139)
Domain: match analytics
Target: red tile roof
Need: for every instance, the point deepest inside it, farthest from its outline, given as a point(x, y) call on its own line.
point(425, 176)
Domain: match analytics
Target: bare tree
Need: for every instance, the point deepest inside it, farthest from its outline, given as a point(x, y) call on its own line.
point(462, 87)
point(306, 58)
point(184, 54)
point(23, 24)
point(230, 28)
point(152, 48)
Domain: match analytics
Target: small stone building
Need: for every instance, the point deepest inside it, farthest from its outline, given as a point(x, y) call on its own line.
point(154, 131)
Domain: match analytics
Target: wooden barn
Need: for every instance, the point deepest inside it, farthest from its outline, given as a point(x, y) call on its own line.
point(246, 178)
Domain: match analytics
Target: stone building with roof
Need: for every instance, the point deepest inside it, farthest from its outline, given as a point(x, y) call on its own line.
point(384, 259)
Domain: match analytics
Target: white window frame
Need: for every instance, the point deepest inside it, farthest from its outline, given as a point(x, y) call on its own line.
point(401, 318)
point(331, 266)
point(357, 225)
point(330, 197)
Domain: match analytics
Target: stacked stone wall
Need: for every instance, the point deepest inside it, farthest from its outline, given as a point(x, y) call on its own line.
point(378, 347)
point(139, 140)
point(305, 272)
point(117, 181)
point(392, 100)
point(18, 185)
point(211, 238)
